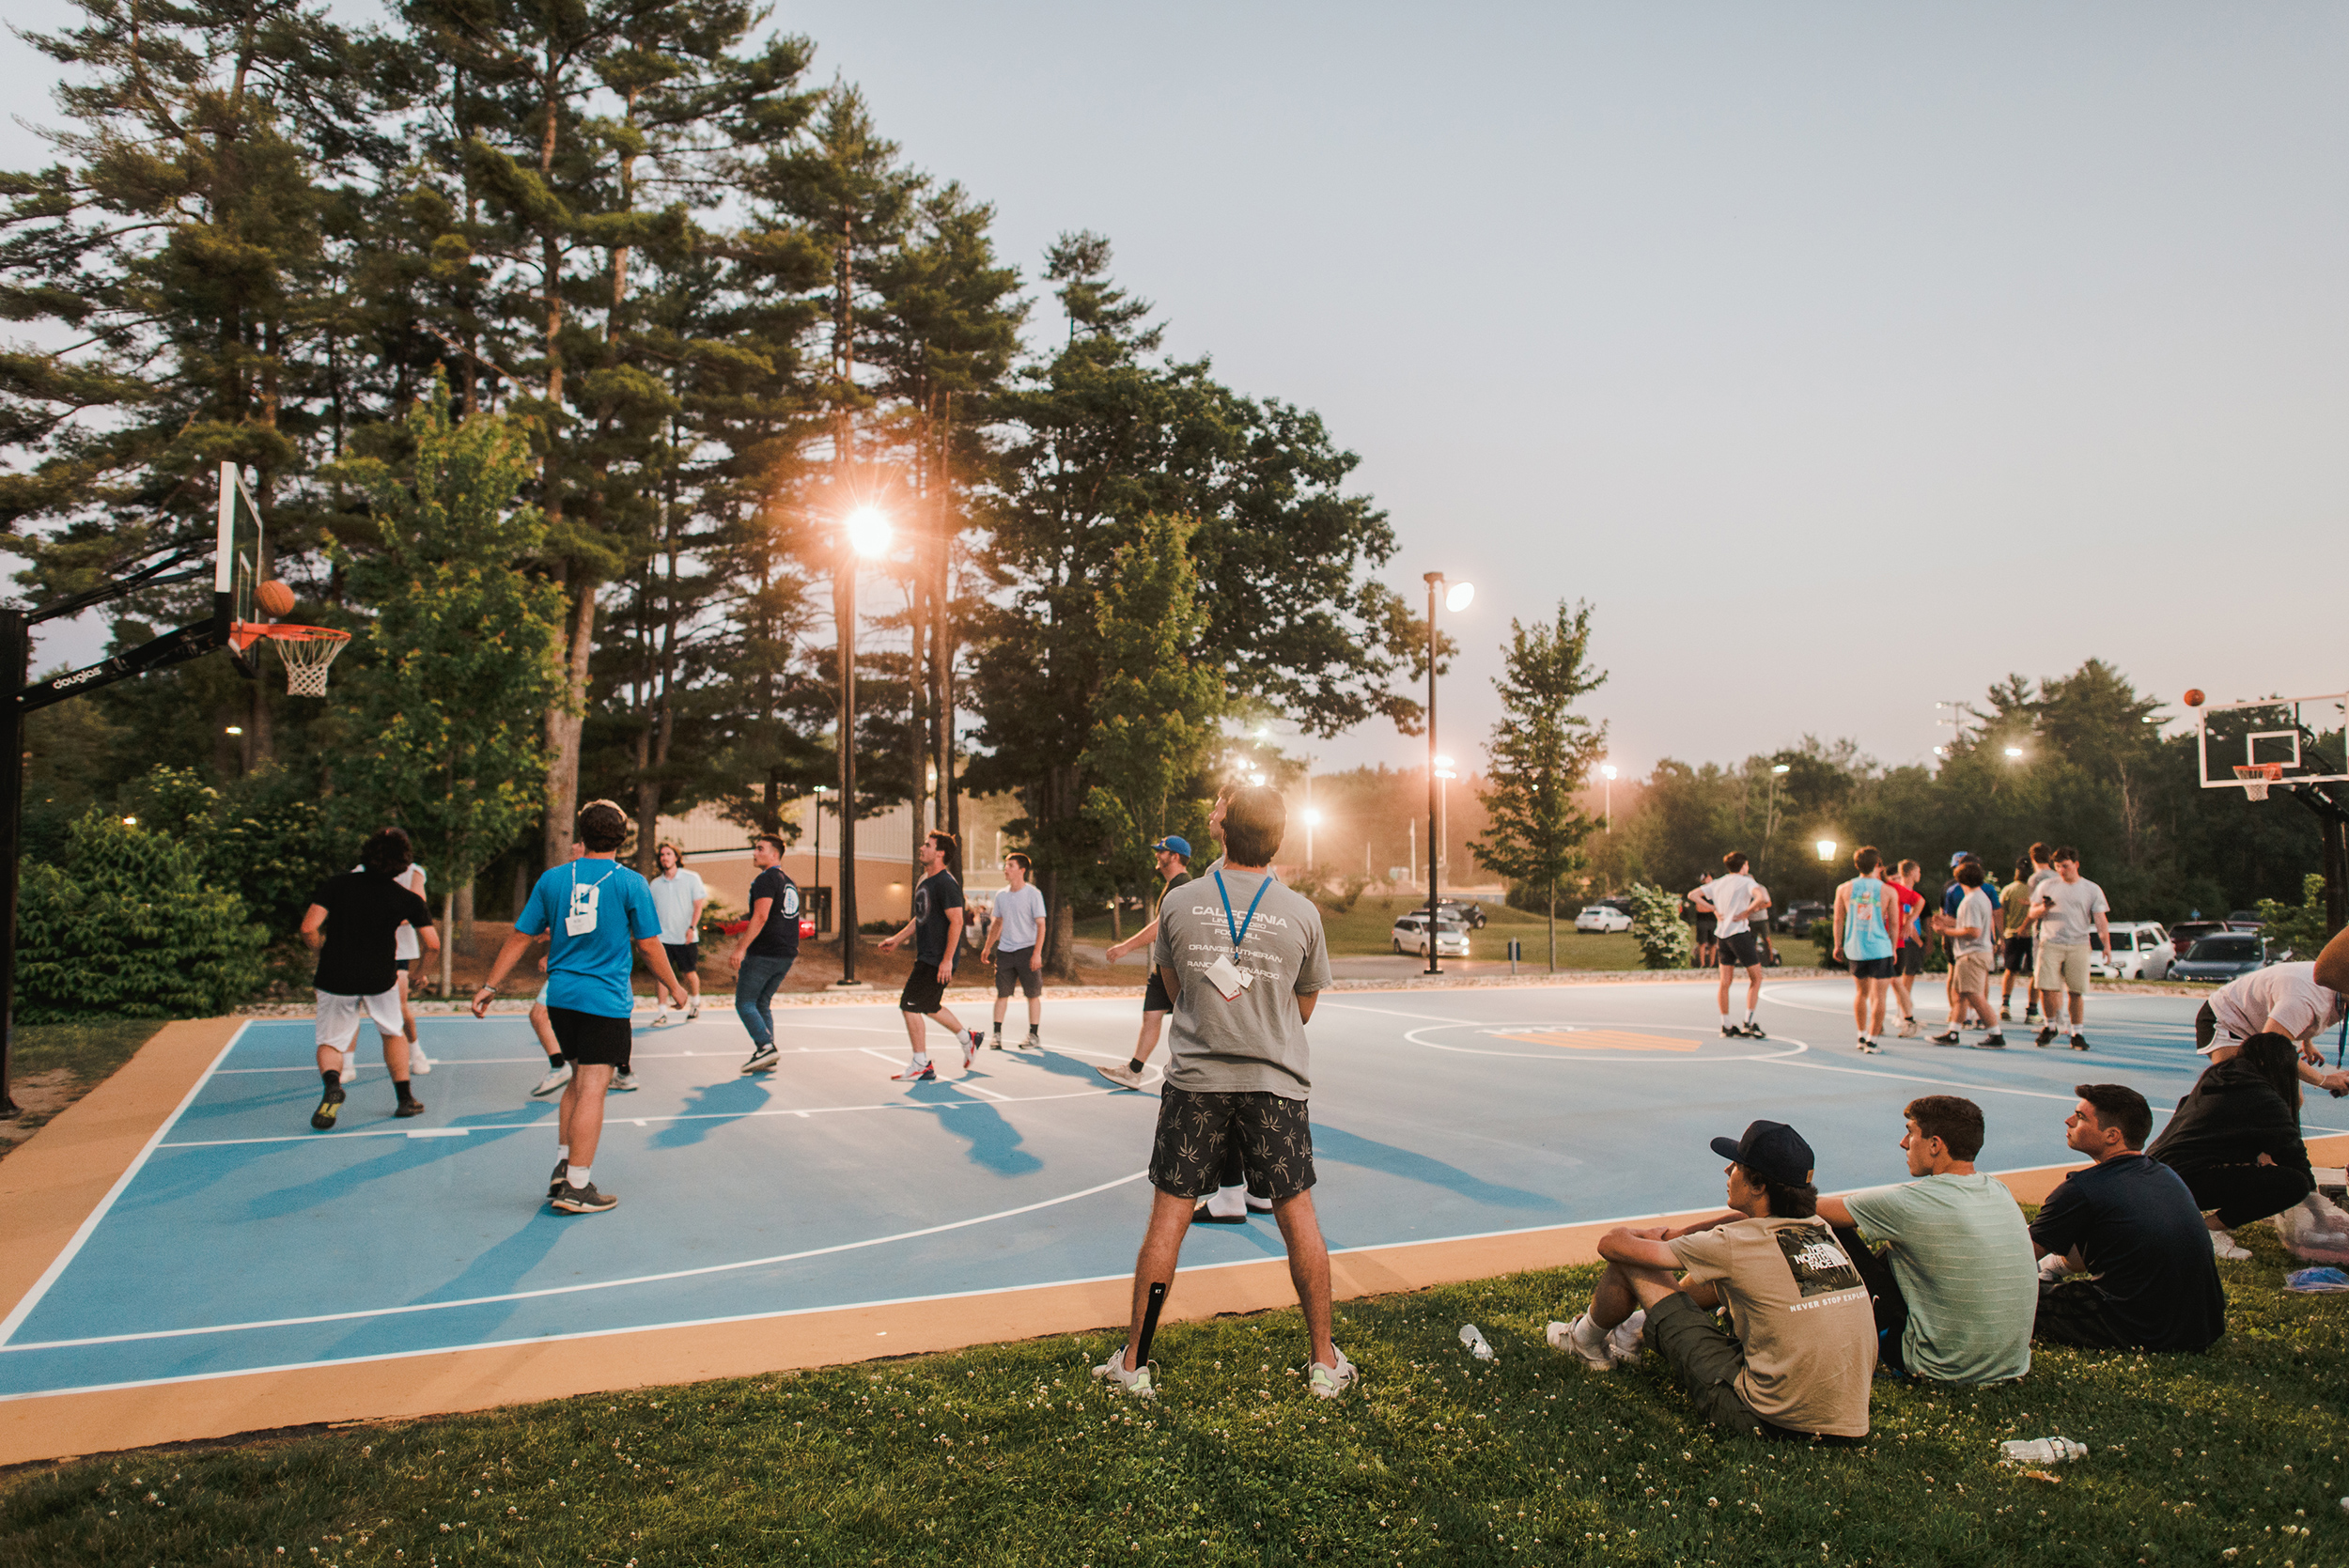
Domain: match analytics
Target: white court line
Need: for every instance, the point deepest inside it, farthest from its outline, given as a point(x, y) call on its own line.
point(1776, 994)
point(574, 1290)
point(1390, 1013)
point(49, 1277)
point(990, 1093)
point(440, 1061)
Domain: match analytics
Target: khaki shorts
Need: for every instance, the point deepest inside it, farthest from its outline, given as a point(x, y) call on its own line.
point(1970, 976)
point(2062, 969)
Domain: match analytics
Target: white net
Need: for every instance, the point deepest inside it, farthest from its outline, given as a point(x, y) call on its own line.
point(2255, 778)
point(307, 651)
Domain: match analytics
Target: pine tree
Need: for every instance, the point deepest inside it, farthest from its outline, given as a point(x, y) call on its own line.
point(1541, 757)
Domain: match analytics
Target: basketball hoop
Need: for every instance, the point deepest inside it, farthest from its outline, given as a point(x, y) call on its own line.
point(307, 650)
point(2256, 776)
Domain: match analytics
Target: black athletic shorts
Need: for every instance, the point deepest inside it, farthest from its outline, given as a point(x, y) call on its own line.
point(402, 964)
point(684, 958)
point(2073, 1312)
point(1274, 1134)
point(590, 1039)
point(1153, 997)
point(1738, 950)
point(1872, 969)
point(1913, 958)
point(1011, 969)
point(925, 993)
point(2018, 956)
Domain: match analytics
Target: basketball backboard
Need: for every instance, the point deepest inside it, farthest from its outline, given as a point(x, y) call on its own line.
point(2302, 736)
point(236, 570)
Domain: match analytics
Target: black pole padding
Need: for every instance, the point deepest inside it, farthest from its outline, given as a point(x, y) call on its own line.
point(15, 656)
point(1149, 1324)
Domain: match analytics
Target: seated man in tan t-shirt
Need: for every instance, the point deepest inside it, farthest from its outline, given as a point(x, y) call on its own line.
point(1801, 1348)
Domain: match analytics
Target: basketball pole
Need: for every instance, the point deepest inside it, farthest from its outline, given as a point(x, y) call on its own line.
point(16, 651)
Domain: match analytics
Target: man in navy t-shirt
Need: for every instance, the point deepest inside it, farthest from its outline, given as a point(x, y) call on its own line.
point(936, 931)
point(594, 908)
point(2129, 1223)
point(769, 946)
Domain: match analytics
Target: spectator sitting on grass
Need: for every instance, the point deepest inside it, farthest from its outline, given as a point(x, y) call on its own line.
point(2132, 1224)
point(2236, 1139)
point(1800, 1349)
point(1957, 1284)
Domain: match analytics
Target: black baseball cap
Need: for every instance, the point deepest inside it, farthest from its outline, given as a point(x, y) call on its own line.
point(1771, 1150)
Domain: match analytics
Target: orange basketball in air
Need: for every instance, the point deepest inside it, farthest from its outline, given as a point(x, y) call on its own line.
point(274, 597)
point(2194, 697)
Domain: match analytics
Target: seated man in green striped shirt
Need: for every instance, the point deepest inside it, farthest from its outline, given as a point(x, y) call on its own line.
point(1957, 1286)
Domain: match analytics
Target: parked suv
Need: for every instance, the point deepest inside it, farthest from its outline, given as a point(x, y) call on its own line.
point(2141, 949)
point(1410, 936)
point(1798, 918)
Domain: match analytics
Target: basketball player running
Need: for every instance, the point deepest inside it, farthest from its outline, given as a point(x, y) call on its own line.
point(1015, 937)
point(936, 930)
point(406, 950)
point(1174, 853)
point(592, 909)
point(1734, 899)
point(349, 926)
point(1866, 921)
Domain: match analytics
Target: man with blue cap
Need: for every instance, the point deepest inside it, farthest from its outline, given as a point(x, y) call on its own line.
point(1174, 853)
point(1800, 1347)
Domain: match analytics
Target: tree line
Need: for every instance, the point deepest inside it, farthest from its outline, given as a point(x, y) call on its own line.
point(694, 308)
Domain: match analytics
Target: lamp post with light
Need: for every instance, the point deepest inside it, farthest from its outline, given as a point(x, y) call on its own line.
point(1312, 821)
point(1770, 816)
point(1607, 816)
point(865, 533)
point(1455, 599)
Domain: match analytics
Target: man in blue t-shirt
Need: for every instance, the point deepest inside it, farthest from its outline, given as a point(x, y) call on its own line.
point(593, 908)
point(2130, 1223)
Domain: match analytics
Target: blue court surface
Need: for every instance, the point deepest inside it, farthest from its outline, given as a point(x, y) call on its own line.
point(241, 1240)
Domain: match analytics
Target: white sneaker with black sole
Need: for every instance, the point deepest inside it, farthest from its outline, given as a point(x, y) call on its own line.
point(623, 1082)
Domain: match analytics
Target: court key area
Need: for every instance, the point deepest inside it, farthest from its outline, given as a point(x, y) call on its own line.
point(240, 1241)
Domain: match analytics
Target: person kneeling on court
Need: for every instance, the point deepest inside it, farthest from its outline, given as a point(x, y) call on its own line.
point(1800, 1349)
point(1957, 1283)
point(1243, 959)
point(592, 908)
point(2129, 1221)
point(353, 923)
point(2235, 1137)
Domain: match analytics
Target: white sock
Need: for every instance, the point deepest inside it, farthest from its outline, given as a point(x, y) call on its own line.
point(563, 1153)
point(1724, 1020)
point(1587, 1334)
point(350, 1068)
point(579, 1175)
point(920, 1059)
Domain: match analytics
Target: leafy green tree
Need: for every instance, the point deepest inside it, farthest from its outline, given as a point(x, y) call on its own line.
point(461, 649)
point(1541, 755)
point(1155, 715)
point(1666, 941)
point(127, 926)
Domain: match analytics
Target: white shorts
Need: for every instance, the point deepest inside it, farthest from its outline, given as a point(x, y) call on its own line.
point(339, 1016)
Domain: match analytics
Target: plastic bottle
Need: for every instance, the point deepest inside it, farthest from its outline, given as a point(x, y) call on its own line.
point(2041, 1451)
point(1473, 1338)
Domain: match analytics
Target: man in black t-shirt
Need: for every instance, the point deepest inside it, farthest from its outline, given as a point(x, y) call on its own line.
point(769, 946)
point(936, 929)
point(352, 924)
point(2130, 1223)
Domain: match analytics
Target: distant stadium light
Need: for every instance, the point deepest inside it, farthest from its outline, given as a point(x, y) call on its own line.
point(236, 729)
point(1826, 850)
point(1458, 597)
point(130, 821)
point(1785, 768)
point(2014, 750)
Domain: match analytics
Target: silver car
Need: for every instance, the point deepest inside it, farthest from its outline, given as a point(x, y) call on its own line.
point(1410, 936)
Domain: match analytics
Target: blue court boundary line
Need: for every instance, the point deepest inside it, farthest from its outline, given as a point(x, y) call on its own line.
point(88, 1227)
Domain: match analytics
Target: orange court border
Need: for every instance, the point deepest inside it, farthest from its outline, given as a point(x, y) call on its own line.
point(57, 1183)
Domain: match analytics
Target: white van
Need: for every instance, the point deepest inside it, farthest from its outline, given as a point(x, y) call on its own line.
point(2141, 949)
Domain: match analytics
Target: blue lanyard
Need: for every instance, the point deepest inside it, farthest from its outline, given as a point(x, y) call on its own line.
point(1240, 932)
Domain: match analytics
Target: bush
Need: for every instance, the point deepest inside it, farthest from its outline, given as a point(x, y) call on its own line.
point(127, 927)
point(1823, 938)
point(2301, 929)
point(1666, 941)
point(264, 837)
point(1342, 899)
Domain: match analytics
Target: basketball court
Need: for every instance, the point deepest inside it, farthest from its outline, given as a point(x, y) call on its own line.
point(236, 1270)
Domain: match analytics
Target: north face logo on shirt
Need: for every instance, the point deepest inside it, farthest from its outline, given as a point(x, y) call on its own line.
point(1818, 1262)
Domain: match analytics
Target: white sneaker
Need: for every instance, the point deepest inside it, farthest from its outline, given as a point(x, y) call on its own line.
point(1136, 1382)
point(2224, 1246)
point(1121, 1075)
point(418, 1063)
point(622, 1082)
point(1624, 1342)
point(1562, 1337)
point(558, 1077)
point(1329, 1382)
point(1908, 1030)
point(1259, 1205)
point(660, 1018)
point(1227, 1206)
point(692, 1011)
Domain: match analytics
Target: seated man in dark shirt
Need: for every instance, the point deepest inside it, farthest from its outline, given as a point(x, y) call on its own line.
point(2129, 1223)
point(2235, 1137)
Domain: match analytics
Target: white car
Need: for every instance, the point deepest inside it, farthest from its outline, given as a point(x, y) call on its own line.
point(2141, 949)
point(1603, 917)
point(1410, 936)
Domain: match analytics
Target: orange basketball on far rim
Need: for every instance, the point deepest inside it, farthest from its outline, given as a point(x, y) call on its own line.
point(274, 597)
point(2193, 695)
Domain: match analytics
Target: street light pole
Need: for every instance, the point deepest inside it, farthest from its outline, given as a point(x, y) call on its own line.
point(1456, 598)
point(1607, 818)
point(865, 533)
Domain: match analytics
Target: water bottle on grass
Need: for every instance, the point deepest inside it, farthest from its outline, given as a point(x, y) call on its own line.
point(1473, 1338)
point(2041, 1451)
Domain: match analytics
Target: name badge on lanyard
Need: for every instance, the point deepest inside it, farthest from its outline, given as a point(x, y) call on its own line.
point(579, 919)
point(1227, 977)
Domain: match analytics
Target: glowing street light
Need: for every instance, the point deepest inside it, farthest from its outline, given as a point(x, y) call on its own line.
point(865, 533)
point(867, 528)
point(2014, 750)
point(1455, 598)
point(1826, 850)
point(1607, 817)
point(1459, 597)
point(1311, 816)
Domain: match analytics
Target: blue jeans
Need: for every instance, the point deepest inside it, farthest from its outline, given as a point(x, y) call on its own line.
point(754, 994)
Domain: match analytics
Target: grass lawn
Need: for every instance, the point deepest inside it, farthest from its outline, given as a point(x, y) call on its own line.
point(52, 1065)
point(1014, 1455)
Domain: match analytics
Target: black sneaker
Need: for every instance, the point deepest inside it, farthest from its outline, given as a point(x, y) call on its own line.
point(583, 1200)
point(410, 1108)
point(323, 1117)
point(763, 1059)
point(1949, 1037)
point(2080, 1041)
point(1753, 1031)
point(2046, 1037)
point(557, 1182)
point(1731, 1032)
point(1991, 1041)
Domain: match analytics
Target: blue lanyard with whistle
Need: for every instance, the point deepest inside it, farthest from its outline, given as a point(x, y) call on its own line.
point(1240, 932)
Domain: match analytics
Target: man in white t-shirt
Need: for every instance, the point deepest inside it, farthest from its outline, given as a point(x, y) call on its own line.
point(1736, 900)
point(679, 898)
point(1015, 936)
point(2281, 999)
point(1973, 935)
point(2066, 911)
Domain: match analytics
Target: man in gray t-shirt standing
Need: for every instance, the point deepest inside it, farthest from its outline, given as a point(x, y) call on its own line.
point(2066, 911)
point(1243, 959)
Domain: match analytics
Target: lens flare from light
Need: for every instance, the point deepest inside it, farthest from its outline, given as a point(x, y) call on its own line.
point(869, 531)
point(1459, 597)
